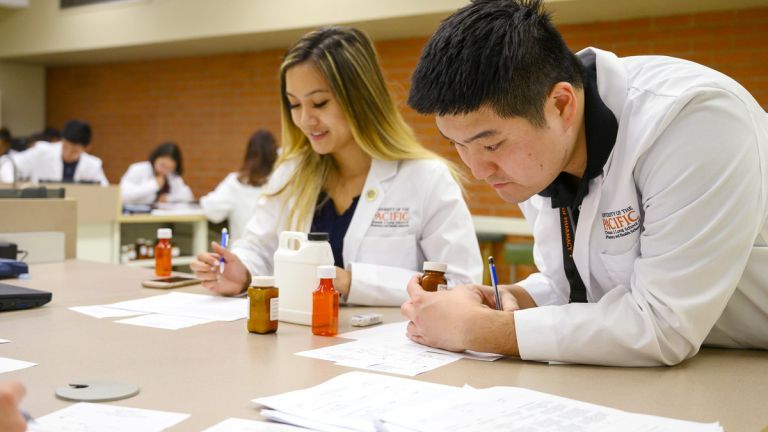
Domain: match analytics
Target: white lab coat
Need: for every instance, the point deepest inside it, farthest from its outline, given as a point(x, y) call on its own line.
point(231, 200)
point(672, 238)
point(43, 163)
point(409, 212)
point(138, 186)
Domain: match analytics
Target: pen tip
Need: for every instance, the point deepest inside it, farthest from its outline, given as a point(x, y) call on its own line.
point(224, 230)
point(490, 260)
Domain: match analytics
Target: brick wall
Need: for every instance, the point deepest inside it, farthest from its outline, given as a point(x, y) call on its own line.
point(211, 104)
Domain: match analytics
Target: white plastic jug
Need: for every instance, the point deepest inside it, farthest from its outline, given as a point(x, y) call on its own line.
point(296, 261)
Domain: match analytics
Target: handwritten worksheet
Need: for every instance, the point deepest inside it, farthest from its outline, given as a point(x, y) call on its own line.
point(354, 400)
point(371, 402)
point(403, 358)
point(91, 417)
point(395, 332)
point(529, 410)
point(242, 425)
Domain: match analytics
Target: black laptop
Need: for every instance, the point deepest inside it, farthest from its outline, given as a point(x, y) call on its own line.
point(15, 298)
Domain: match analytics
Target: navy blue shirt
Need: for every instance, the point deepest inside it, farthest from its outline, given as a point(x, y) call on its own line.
point(68, 174)
point(327, 220)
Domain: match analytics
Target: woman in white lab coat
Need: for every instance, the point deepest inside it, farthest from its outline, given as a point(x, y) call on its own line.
point(352, 167)
point(156, 180)
point(236, 196)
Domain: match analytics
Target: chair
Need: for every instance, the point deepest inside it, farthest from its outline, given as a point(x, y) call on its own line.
point(518, 254)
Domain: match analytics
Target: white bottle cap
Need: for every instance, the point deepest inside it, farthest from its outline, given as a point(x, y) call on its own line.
point(435, 266)
point(263, 281)
point(164, 233)
point(326, 272)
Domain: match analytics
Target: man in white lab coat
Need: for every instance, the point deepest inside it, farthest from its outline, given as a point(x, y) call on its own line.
point(64, 161)
point(644, 180)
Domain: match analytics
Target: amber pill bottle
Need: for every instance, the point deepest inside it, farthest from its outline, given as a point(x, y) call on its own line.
point(263, 308)
point(434, 276)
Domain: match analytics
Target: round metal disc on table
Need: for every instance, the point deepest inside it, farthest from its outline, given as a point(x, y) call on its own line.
point(97, 391)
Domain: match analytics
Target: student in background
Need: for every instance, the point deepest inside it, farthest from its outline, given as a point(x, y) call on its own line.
point(11, 419)
point(157, 180)
point(643, 179)
point(351, 166)
point(236, 196)
point(46, 136)
point(64, 161)
point(6, 140)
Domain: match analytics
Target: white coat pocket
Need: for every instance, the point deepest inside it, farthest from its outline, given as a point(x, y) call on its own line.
point(619, 267)
point(397, 251)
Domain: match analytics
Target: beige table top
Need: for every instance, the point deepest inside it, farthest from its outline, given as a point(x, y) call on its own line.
point(212, 371)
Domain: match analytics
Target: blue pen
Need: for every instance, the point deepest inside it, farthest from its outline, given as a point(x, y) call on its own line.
point(224, 244)
point(27, 418)
point(495, 281)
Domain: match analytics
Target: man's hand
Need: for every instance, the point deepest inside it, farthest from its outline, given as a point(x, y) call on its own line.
point(11, 420)
point(461, 318)
point(509, 302)
point(233, 281)
point(440, 319)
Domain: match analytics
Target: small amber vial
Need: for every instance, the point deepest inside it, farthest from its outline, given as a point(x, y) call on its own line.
point(263, 309)
point(325, 303)
point(162, 253)
point(434, 276)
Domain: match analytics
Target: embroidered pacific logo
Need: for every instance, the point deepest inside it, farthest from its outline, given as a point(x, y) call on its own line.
point(391, 217)
point(620, 223)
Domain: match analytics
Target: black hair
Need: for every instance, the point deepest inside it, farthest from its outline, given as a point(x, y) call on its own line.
point(170, 149)
point(51, 134)
point(77, 132)
point(5, 134)
point(19, 144)
point(504, 54)
point(260, 157)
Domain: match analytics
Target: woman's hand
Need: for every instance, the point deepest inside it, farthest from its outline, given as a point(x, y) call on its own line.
point(232, 281)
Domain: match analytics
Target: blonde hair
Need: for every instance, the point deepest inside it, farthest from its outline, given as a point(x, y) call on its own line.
point(346, 58)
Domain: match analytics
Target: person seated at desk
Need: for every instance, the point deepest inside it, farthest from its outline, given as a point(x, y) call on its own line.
point(644, 180)
point(236, 196)
point(351, 167)
point(11, 418)
point(64, 161)
point(6, 141)
point(157, 180)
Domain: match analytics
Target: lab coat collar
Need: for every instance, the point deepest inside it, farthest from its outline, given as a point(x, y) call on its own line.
point(612, 84)
point(373, 193)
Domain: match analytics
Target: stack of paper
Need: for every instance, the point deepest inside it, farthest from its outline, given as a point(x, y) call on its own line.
point(171, 311)
point(362, 401)
point(386, 348)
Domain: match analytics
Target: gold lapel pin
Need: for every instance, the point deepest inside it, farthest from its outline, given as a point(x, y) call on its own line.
point(371, 194)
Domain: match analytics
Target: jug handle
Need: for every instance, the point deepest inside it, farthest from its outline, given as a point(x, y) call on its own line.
point(287, 236)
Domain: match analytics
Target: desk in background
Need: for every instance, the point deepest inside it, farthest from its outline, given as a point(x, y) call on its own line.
point(212, 371)
point(199, 234)
point(510, 241)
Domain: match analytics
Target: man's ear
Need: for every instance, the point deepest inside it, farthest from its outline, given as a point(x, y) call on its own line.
point(564, 103)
